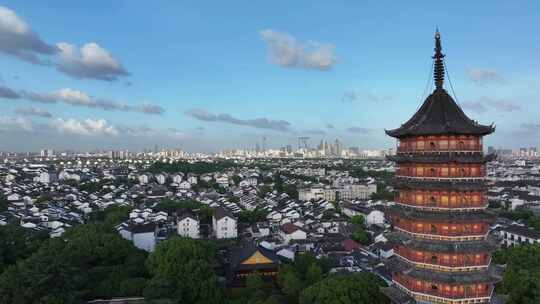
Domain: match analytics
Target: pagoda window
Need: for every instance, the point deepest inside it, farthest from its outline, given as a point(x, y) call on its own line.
point(461, 145)
point(432, 146)
point(444, 171)
point(434, 259)
point(452, 144)
point(433, 229)
point(432, 172)
point(419, 199)
point(443, 145)
point(434, 287)
point(432, 201)
point(420, 145)
point(444, 200)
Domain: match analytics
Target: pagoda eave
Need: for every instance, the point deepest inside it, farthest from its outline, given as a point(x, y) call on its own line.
point(443, 157)
point(446, 217)
point(442, 246)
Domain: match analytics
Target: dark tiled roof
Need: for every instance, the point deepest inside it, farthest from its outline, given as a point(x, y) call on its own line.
point(522, 230)
point(290, 228)
point(439, 114)
point(397, 296)
point(220, 213)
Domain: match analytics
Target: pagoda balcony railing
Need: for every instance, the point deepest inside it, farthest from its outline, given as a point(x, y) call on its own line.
point(438, 150)
point(438, 178)
point(434, 207)
point(439, 237)
point(443, 265)
point(446, 296)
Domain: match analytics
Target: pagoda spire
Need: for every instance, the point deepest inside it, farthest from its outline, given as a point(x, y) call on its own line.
point(438, 66)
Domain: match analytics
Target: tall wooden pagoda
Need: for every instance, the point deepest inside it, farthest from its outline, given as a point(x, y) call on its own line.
point(440, 222)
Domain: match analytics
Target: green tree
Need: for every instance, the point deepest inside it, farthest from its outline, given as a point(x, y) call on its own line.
point(182, 269)
point(236, 179)
point(521, 280)
point(290, 283)
point(361, 236)
point(88, 262)
point(17, 243)
point(314, 274)
point(360, 288)
point(111, 216)
point(278, 182)
point(3, 203)
point(358, 221)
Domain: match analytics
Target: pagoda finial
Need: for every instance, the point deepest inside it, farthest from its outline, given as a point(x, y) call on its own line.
point(438, 67)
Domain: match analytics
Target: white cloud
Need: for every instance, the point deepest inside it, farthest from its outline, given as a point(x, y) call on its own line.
point(78, 98)
point(31, 111)
point(8, 123)
point(89, 127)
point(483, 77)
point(485, 104)
point(284, 50)
point(19, 40)
point(89, 61)
point(260, 123)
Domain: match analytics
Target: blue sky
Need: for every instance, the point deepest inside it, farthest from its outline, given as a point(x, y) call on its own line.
point(205, 75)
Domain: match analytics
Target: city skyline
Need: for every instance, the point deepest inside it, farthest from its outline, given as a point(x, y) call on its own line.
point(205, 78)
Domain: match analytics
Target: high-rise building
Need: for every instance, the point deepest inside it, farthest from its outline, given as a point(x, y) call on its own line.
point(440, 219)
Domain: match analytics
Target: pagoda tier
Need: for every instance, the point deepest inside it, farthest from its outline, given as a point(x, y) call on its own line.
point(440, 171)
point(442, 199)
point(442, 157)
point(441, 143)
point(443, 286)
point(449, 184)
point(440, 218)
point(442, 246)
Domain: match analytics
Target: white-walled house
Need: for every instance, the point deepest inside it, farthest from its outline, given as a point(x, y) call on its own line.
point(143, 179)
point(192, 178)
point(142, 235)
point(161, 178)
point(185, 185)
point(177, 178)
point(188, 226)
point(290, 231)
point(224, 224)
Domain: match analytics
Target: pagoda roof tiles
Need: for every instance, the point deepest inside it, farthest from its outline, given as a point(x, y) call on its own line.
point(438, 115)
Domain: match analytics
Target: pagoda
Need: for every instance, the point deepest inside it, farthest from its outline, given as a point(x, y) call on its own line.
point(440, 219)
